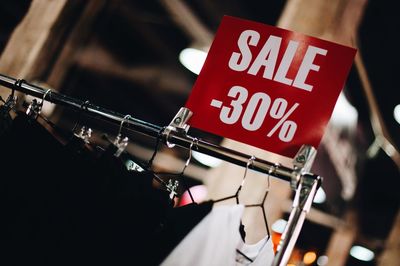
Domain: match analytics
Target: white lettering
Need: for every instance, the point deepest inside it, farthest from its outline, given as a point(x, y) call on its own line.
point(287, 59)
point(267, 57)
point(306, 66)
point(250, 37)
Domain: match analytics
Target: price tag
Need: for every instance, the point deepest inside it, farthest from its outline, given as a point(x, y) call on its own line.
point(268, 87)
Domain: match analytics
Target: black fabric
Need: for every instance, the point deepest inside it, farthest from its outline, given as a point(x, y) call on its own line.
point(5, 120)
point(48, 196)
point(177, 224)
point(63, 207)
point(134, 209)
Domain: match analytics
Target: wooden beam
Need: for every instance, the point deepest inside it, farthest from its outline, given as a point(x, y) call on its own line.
point(158, 78)
point(74, 42)
point(342, 240)
point(390, 254)
point(32, 45)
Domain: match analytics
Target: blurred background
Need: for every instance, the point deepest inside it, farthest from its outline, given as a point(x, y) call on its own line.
point(142, 58)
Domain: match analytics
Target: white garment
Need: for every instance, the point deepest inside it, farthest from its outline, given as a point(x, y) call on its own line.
point(261, 253)
point(213, 242)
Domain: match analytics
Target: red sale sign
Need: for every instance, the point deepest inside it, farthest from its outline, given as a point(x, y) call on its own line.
point(268, 87)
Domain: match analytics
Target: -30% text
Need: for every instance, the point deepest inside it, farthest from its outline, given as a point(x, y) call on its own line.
point(259, 106)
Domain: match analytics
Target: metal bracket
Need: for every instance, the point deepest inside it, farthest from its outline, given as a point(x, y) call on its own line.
point(303, 199)
point(172, 187)
point(120, 143)
point(33, 109)
point(302, 163)
point(11, 102)
point(85, 134)
point(178, 125)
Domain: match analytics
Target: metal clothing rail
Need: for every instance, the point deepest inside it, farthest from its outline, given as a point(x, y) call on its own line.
point(305, 184)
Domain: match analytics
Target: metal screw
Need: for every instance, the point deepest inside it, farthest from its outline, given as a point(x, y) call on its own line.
point(301, 158)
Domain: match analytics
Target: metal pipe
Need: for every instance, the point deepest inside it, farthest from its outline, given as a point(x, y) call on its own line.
point(305, 193)
point(149, 129)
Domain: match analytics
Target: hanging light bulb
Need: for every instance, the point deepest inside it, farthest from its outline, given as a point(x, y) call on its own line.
point(396, 113)
point(193, 59)
point(362, 253)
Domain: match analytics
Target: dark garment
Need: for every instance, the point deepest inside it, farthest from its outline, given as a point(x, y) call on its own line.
point(133, 210)
point(48, 197)
point(5, 120)
point(62, 206)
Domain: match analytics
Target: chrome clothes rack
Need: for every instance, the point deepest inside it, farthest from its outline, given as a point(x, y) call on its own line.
point(304, 183)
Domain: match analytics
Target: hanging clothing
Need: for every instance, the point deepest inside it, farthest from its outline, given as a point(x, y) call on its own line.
point(63, 207)
point(68, 205)
point(260, 253)
point(213, 242)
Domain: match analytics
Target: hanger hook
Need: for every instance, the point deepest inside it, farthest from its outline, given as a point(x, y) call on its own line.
point(195, 143)
point(44, 97)
point(83, 105)
point(250, 161)
point(17, 83)
point(271, 171)
point(153, 156)
point(122, 122)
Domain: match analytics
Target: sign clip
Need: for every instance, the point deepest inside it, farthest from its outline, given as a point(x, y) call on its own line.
point(178, 125)
point(302, 163)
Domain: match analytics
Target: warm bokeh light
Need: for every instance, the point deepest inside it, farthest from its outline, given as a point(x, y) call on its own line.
point(198, 192)
point(309, 257)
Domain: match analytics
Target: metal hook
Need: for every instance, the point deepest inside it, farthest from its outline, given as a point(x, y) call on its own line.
point(195, 142)
point(120, 142)
point(35, 108)
point(12, 99)
point(172, 187)
point(120, 126)
point(270, 171)
point(86, 103)
point(249, 162)
point(40, 105)
point(153, 156)
point(17, 83)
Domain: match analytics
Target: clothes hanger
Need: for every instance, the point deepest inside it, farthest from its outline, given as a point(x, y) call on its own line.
point(35, 107)
point(34, 110)
point(261, 204)
point(5, 116)
point(155, 151)
point(236, 195)
point(173, 183)
point(80, 141)
point(119, 144)
point(195, 143)
point(78, 119)
point(180, 176)
point(11, 101)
